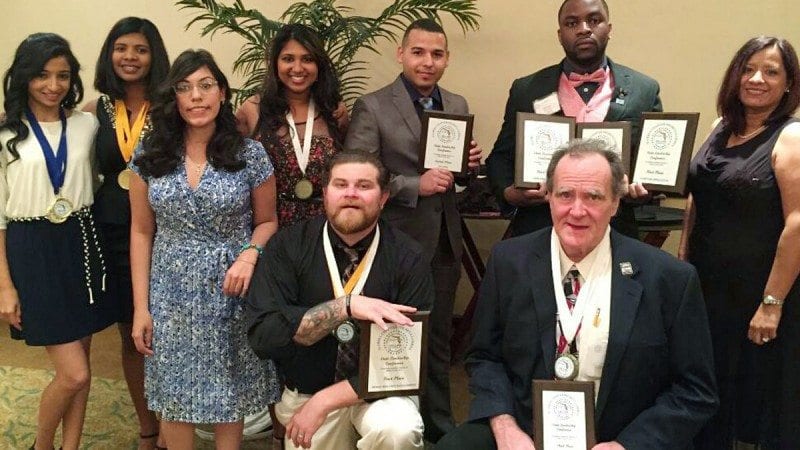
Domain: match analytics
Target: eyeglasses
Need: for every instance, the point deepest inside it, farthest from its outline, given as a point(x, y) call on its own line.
point(184, 87)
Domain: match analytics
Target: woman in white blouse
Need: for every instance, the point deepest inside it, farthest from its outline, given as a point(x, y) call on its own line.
point(51, 268)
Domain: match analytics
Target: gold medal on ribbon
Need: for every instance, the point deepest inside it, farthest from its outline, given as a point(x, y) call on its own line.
point(60, 210)
point(127, 136)
point(124, 179)
point(303, 189)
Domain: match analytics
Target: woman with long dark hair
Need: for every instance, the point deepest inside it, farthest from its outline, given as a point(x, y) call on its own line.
point(742, 232)
point(202, 208)
point(51, 267)
point(132, 63)
point(299, 117)
point(300, 88)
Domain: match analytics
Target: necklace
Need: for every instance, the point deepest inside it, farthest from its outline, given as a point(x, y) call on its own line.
point(198, 167)
point(750, 134)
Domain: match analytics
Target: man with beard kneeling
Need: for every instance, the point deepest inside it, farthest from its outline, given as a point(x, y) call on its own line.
point(315, 280)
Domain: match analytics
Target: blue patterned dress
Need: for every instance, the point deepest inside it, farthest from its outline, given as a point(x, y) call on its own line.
point(203, 370)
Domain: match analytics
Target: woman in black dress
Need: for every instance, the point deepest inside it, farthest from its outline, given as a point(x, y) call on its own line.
point(132, 62)
point(742, 232)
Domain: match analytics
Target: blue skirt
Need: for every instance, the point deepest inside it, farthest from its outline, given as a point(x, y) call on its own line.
point(53, 268)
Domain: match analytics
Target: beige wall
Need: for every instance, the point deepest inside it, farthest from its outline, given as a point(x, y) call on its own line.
point(684, 44)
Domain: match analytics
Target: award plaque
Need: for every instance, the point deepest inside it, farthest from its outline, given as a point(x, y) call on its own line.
point(563, 415)
point(444, 142)
point(538, 137)
point(392, 362)
point(617, 135)
point(665, 150)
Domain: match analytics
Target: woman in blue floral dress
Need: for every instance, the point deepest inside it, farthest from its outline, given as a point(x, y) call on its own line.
point(203, 206)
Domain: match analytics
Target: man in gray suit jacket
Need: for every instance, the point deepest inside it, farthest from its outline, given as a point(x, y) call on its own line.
point(583, 32)
point(422, 205)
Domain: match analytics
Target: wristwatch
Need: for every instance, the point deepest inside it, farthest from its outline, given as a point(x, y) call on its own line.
point(770, 300)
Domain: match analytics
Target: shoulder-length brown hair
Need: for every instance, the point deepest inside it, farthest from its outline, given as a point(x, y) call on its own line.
point(730, 107)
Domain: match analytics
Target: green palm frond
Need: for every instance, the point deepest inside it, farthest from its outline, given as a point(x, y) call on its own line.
point(343, 33)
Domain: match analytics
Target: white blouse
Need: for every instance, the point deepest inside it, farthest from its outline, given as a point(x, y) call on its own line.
point(25, 188)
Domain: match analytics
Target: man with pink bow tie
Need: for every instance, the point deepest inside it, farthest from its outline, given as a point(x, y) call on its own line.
point(586, 85)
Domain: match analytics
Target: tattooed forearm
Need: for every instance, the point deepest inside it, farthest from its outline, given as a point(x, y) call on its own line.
point(319, 321)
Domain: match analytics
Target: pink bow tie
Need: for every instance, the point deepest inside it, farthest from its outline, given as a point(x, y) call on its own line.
point(598, 76)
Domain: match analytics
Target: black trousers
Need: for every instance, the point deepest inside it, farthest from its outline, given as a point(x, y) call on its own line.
point(469, 436)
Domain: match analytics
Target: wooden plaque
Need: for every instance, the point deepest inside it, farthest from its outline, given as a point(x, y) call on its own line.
point(393, 362)
point(444, 141)
point(665, 151)
point(538, 137)
point(563, 414)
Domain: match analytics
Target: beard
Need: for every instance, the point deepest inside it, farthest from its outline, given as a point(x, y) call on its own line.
point(352, 220)
point(584, 59)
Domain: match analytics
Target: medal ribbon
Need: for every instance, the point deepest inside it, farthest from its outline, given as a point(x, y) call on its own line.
point(56, 162)
point(570, 319)
point(356, 282)
point(128, 137)
point(302, 152)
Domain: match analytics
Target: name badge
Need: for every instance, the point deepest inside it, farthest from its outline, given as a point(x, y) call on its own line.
point(547, 105)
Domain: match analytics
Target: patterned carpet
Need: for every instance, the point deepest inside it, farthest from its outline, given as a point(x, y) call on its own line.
point(113, 426)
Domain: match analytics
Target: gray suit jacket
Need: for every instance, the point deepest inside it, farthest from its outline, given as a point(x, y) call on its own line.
point(385, 122)
point(637, 93)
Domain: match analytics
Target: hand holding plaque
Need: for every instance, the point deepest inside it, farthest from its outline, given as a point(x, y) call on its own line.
point(392, 361)
point(444, 141)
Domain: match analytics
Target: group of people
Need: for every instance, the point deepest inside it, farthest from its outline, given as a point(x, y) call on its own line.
point(235, 249)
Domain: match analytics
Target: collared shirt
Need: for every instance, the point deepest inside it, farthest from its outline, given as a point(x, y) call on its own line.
point(592, 340)
point(436, 95)
point(292, 278)
point(586, 90)
point(342, 260)
point(585, 265)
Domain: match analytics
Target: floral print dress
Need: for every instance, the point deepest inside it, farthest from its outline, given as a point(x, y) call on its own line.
point(292, 210)
point(203, 370)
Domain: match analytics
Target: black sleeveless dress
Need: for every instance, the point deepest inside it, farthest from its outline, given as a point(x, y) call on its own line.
point(739, 219)
point(112, 212)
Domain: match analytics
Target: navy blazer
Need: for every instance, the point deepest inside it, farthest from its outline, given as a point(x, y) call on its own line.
point(634, 93)
point(657, 387)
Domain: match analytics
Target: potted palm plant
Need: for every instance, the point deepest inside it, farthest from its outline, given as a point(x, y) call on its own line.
point(343, 31)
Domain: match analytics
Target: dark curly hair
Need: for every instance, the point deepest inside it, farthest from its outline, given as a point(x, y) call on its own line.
point(164, 146)
point(730, 106)
point(273, 105)
point(29, 61)
point(107, 81)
